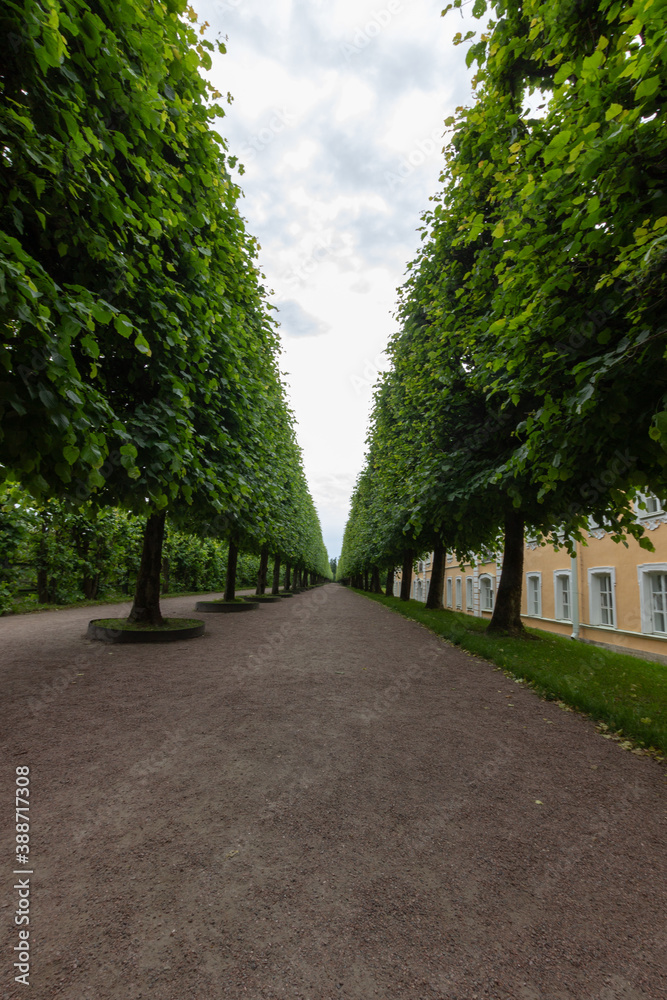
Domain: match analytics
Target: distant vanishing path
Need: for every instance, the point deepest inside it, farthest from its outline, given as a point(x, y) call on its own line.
point(319, 800)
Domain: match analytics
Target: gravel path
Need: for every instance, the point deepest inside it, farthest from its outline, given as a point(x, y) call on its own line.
point(319, 799)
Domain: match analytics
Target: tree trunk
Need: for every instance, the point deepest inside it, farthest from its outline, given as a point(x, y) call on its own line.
point(275, 589)
point(288, 580)
point(375, 581)
point(232, 563)
point(437, 585)
point(165, 576)
point(146, 607)
point(43, 595)
point(263, 567)
point(89, 582)
point(506, 618)
point(366, 578)
point(389, 583)
point(90, 586)
point(406, 580)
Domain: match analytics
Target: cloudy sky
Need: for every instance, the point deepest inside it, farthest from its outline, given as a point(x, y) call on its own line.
point(338, 120)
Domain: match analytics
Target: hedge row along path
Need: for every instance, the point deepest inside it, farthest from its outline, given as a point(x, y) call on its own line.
point(320, 800)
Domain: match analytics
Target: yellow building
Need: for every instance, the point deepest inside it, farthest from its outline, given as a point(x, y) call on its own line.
point(609, 594)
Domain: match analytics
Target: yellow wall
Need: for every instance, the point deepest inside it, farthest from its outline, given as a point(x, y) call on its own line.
point(630, 630)
point(601, 552)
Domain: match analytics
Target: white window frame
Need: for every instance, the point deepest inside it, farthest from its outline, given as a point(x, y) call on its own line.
point(530, 577)
point(459, 594)
point(560, 574)
point(649, 498)
point(470, 593)
point(594, 602)
point(486, 578)
point(644, 573)
point(449, 592)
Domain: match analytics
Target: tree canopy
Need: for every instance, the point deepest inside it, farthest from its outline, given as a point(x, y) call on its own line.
point(138, 355)
point(528, 375)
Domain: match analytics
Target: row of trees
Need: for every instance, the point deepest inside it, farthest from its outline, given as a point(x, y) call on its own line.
point(138, 359)
point(58, 553)
point(528, 376)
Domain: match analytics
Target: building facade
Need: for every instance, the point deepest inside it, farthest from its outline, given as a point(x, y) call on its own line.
point(610, 593)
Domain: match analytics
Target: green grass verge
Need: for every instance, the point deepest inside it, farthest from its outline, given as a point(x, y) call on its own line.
point(123, 625)
point(28, 605)
point(626, 695)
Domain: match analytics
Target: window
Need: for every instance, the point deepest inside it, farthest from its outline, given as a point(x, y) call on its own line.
point(606, 599)
point(486, 593)
point(650, 502)
point(653, 597)
point(659, 601)
point(535, 595)
point(459, 601)
point(601, 583)
point(449, 592)
point(563, 595)
point(469, 593)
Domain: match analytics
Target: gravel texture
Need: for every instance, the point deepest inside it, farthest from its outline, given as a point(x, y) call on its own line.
point(319, 800)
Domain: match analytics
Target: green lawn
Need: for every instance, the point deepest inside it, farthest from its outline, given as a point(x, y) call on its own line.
point(626, 695)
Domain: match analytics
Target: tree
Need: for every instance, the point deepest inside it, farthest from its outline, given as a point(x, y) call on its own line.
point(579, 223)
point(137, 349)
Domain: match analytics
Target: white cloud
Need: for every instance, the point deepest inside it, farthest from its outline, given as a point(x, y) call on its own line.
point(355, 98)
point(296, 322)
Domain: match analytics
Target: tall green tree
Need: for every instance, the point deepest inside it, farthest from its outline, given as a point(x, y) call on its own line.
point(528, 376)
point(138, 357)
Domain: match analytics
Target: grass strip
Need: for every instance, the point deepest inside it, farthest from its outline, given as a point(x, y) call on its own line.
point(626, 695)
point(30, 605)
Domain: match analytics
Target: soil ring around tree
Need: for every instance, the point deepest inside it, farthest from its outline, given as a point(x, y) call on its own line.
point(123, 633)
point(226, 607)
point(263, 599)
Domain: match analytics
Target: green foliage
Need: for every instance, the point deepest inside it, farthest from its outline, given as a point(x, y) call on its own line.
point(15, 526)
point(529, 371)
point(63, 554)
point(573, 217)
point(138, 359)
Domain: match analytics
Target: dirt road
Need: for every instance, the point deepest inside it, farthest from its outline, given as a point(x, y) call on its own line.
point(321, 800)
